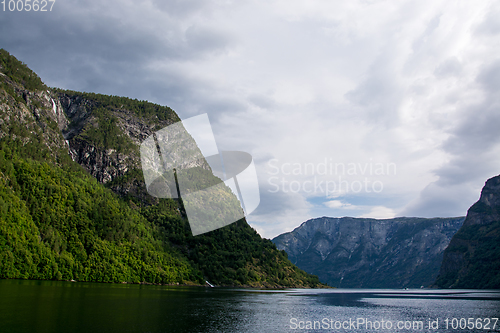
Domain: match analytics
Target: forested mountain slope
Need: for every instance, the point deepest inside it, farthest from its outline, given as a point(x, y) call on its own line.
point(73, 203)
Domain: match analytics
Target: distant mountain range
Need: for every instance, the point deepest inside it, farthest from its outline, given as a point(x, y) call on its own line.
point(369, 253)
point(403, 252)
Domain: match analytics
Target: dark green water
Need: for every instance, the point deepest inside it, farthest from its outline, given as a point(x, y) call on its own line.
point(49, 306)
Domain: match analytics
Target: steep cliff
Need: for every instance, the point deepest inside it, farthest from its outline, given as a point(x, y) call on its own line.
point(472, 259)
point(370, 253)
point(73, 203)
point(31, 118)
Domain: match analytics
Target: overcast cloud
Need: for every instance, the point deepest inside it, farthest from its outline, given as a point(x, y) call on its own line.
point(395, 103)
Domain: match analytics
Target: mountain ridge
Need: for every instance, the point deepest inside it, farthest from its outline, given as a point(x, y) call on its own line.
point(370, 253)
point(93, 220)
point(472, 259)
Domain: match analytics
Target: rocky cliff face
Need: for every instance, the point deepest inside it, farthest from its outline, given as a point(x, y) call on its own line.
point(370, 253)
point(30, 118)
point(104, 134)
point(61, 120)
point(472, 259)
point(105, 162)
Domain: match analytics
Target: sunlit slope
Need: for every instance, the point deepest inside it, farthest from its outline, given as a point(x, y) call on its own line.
point(74, 204)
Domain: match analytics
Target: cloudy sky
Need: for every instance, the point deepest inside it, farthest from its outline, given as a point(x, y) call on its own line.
point(349, 108)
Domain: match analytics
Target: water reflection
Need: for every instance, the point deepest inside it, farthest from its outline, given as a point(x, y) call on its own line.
point(47, 306)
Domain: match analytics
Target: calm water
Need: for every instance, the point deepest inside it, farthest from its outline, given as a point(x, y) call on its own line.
point(47, 306)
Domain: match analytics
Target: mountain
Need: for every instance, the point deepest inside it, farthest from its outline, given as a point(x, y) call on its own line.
point(370, 253)
point(472, 259)
point(74, 205)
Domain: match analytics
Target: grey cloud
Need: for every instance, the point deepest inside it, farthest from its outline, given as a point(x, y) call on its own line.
point(474, 137)
point(80, 46)
point(489, 78)
point(441, 201)
point(465, 169)
point(203, 39)
point(181, 8)
point(378, 95)
point(477, 130)
point(65, 36)
point(262, 101)
point(419, 44)
point(490, 25)
point(277, 211)
point(273, 203)
point(425, 47)
point(449, 67)
point(471, 145)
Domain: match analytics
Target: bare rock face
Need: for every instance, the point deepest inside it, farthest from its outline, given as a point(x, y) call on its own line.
point(472, 259)
point(31, 116)
point(370, 253)
point(117, 166)
point(487, 209)
point(104, 134)
point(77, 109)
point(104, 163)
point(101, 133)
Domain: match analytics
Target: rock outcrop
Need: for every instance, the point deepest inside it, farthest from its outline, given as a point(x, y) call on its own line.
point(104, 163)
point(31, 116)
point(472, 259)
point(370, 253)
point(104, 135)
